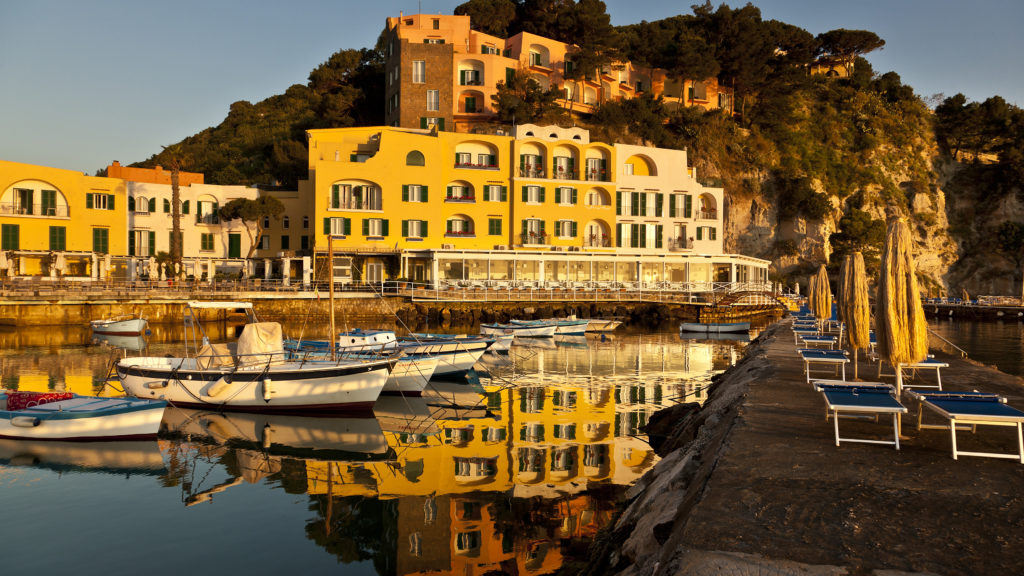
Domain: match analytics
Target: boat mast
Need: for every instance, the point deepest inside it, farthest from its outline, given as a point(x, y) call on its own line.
point(330, 271)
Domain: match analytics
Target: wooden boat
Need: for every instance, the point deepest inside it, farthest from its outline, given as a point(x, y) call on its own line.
point(519, 330)
point(599, 325)
point(67, 416)
point(714, 327)
point(125, 325)
point(563, 326)
point(257, 376)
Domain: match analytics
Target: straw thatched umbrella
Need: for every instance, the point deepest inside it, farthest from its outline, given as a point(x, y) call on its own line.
point(810, 293)
point(822, 304)
point(841, 288)
point(901, 328)
point(854, 305)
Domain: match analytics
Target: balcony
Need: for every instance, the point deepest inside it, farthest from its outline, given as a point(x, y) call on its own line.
point(679, 244)
point(535, 239)
point(597, 175)
point(473, 166)
point(356, 204)
point(18, 209)
point(208, 219)
point(460, 198)
point(707, 215)
point(471, 82)
point(564, 174)
point(597, 241)
point(532, 172)
point(460, 234)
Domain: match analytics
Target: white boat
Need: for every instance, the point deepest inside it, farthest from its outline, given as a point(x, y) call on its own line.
point(519, 330)
point(409, 375)
point(563, 326)
point(598, 325)
point(67, 416)
point(126, 325)
point(714, 327)
point(256, 376)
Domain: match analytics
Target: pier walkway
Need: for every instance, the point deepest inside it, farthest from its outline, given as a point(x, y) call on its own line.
point(762, 489)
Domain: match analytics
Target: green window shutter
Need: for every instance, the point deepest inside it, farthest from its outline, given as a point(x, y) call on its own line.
point(487, 193)
point(152, 204)
point(167, 206)
point(423, 194)
point(423, 123)
point(574, 198)
point(526, 231)
point(450, 191)
point(462, 77)
point(49, 201)
point(384, 228)
point(659, 204)
point(574, 229)
point(131, 203)
point(504, 193)
point(448, 226)
point(541, 194)
point(541, 227)
point(199, 212)
point(216, 213)
point(713, 233)
point(335, 196)
point(152, 242)
point(131, 243)
point(558, 195)
point(672, 206)
point(405, 192)
point(327, 225)
point(634, 207)
point(618, 203)
point(405, 228)
point(687, 206)
point(643, 203)
point(510, 74)
point(366, 226)
point(700, 232)
point(657, 235)
point(348, 226)
point(88, 200)
point(522, 163)
point(526, 194)
point(440, 124)
point(470, 104)
point(423, 228)
point(110, 201)
point(618, 235)
point(185, 207)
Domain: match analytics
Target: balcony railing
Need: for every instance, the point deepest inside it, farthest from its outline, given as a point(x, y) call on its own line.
point(597, 175)
point(471, 82)
point(461, 198)
point(356, 205)
point(535, 239)
point(564, 174)
point(459, 234)
point(14, 208)
point(475, 166)
point(208, 219)
point(707, 215)
point(595, 241)
point(680, 244)
point(532, 172)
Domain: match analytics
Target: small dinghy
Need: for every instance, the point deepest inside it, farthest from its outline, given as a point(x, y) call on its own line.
point(126, 325)
point(714, 327)
point(67, 416)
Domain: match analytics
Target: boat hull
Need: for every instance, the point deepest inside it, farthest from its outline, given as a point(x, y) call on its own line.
point(84, 418)
point(311, 386)
point(562, 327)
point(410, 375)
point(519, 330)
point(715, 328)
point(133, 327)
point(454, 356)
point(596, 325)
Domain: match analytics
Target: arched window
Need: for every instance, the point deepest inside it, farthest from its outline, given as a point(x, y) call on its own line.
point(415, 158)
point(167, 206)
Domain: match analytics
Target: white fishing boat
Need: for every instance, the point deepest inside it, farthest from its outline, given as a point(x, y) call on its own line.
point(563, 326)
point(714, 327)
point(599, 325)
point(67, 416)
point(125, 325)
point(409, 375)
point(519, 330)
point(257, 375)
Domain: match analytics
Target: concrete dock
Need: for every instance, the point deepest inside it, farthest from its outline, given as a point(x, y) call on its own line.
point(754, 484)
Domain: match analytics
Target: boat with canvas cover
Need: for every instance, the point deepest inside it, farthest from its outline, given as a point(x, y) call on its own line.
point(254, 375)
point(519, 330)
point(68, 416)
point(563, 326)
point(599, 325)
point(714, 327)
point(125, 325)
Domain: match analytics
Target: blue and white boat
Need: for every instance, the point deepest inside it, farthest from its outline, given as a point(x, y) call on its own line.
point(563, 326)
point(66, 416)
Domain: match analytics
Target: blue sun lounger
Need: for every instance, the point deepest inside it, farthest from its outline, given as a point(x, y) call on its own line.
point(868, 398)
point(973, 409)
point(831, 358)
point(819, 340)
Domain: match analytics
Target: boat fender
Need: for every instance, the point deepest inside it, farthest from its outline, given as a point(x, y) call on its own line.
point(156, 385)
point(219, 386)
point(266, 436)
point(25, 421)
point(268, 390)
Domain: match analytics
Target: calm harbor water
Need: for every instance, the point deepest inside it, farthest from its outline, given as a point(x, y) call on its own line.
point(999, 344)
point(513, 470)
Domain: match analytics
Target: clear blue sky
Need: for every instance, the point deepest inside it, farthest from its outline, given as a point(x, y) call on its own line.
point(84, 83)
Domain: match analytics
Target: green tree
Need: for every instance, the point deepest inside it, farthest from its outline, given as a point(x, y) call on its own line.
point(251, 213)
point(523, 100)
point(489, 16)
point(859, 232)
point(844, 45)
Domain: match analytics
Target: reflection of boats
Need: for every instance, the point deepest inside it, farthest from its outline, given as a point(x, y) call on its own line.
point(133, 343)
point(733, 336)
point(124, 457)
point(714, 327)
point(68, 416)
point(571, 341)
point(281, 434)
point(404, 415)
point(542, 343)
point(563, 326)
point(599, 325)
point(520, 330)
point(256, 376)
point(124, 325)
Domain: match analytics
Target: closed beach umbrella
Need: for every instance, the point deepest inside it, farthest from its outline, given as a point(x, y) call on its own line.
point(854, 304)
point(62, 264)
point(3, 260)
point(822, 306)
point(841, 287)
point(901, 328)
point(810, 293)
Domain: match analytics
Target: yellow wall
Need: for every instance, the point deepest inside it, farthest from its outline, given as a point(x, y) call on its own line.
point(79, 221)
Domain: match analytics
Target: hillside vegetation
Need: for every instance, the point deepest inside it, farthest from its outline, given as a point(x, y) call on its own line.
point(812, 167)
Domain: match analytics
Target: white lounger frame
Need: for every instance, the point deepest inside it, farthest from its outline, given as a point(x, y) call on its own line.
point(836, 409)
point(973, 421)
